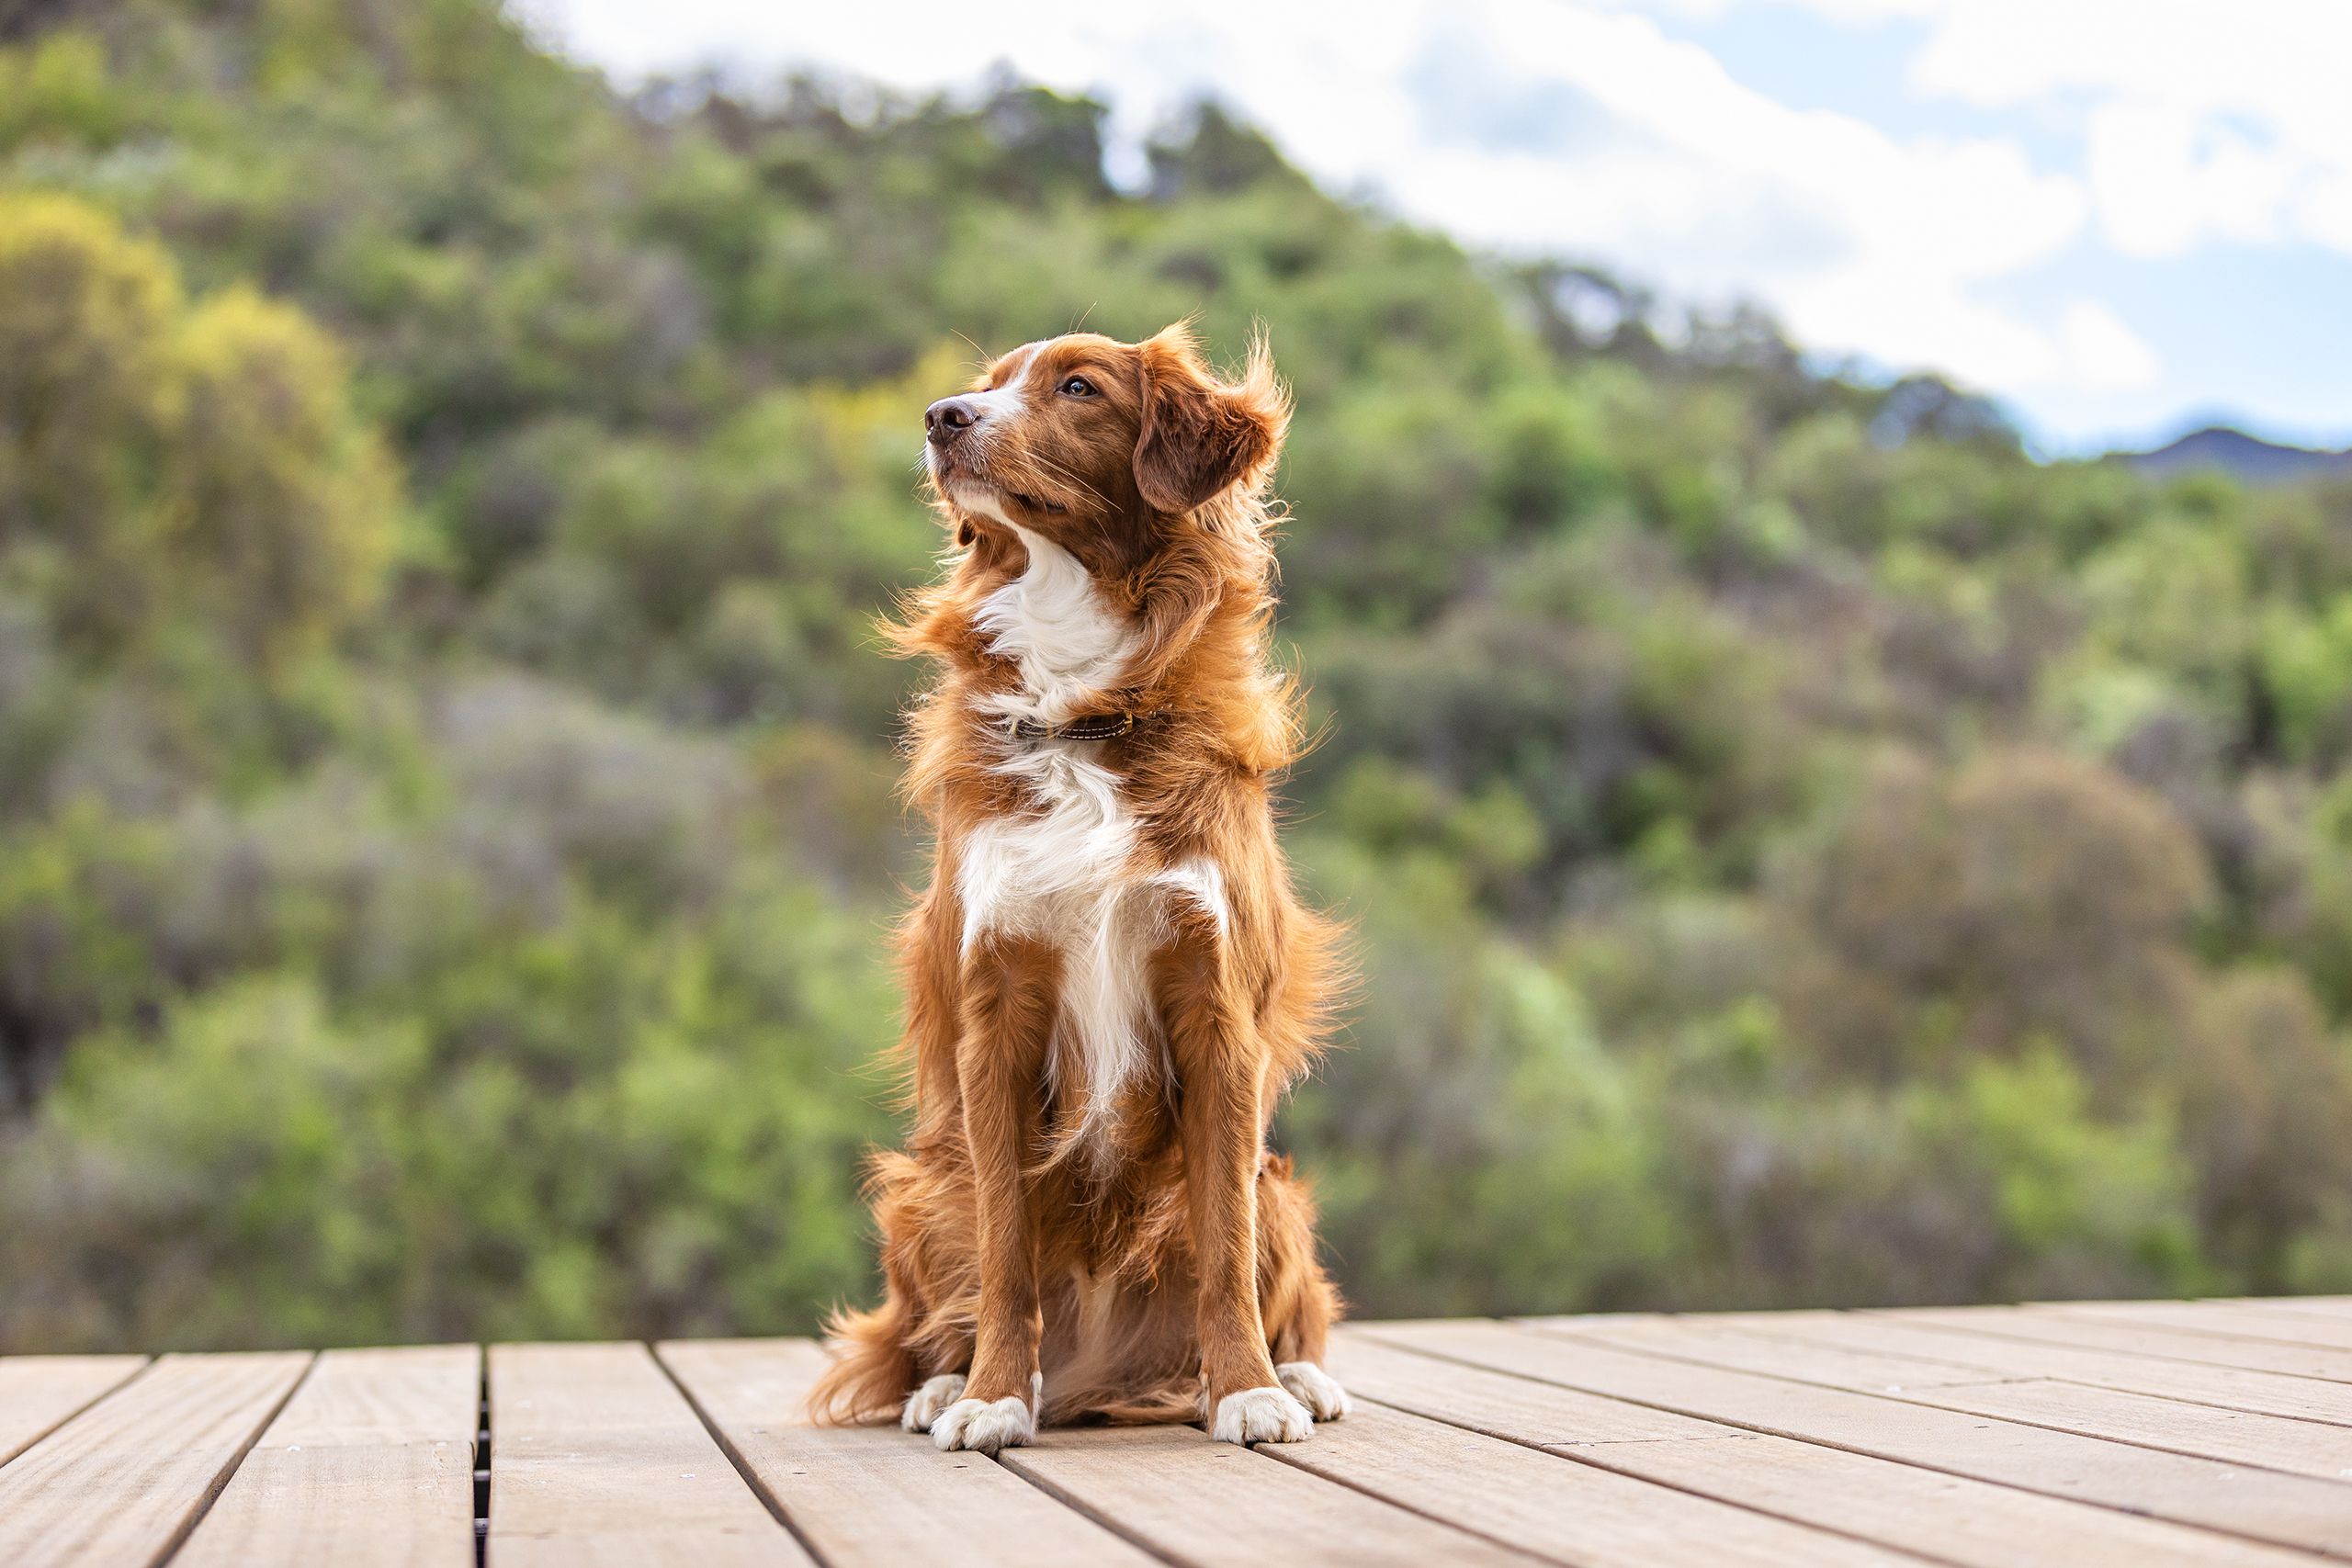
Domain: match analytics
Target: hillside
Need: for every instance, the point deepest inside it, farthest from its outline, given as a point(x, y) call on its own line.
point(2249, 459)
point(1802, 849)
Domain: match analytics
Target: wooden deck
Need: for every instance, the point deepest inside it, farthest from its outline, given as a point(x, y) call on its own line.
point(2082, 1434)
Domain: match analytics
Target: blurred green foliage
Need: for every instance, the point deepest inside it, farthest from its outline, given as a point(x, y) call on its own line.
point(1803, 849)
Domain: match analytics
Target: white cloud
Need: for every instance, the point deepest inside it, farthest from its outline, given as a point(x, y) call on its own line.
point(1863, 244)
point(2166, 183)
point(2237, 118)
point(2100, 353)
point(2206, 122)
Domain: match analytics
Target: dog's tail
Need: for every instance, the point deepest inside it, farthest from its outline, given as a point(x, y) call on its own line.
point(871, 1367)
point(925, 1318)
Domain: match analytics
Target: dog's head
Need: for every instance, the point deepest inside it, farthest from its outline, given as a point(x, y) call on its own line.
point(1108, 449)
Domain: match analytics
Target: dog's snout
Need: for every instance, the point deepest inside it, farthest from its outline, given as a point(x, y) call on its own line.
point(949, 417)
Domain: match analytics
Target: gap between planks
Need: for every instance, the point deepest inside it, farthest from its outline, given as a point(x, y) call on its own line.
point(40, 1393)
point(1893, 1358)
point(1414, 1478)
point(128, 1478)
point(871, 1494)
point(1540, 1500)
point(2108, 1337)
point(2254, 1320)
point(368, 1465)
point(2293, 1511)
point(599, 1460)
point(1079, 1495)
point(1951, 1518)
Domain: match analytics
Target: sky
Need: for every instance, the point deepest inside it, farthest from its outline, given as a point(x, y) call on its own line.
point(2123, 218)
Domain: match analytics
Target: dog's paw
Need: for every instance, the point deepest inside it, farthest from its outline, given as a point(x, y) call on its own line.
point(984, 1425)
point(1262, 1415)
point(1315, 1388)
point(924, 1405)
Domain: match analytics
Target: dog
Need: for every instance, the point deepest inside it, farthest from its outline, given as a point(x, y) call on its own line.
point(1109, 980)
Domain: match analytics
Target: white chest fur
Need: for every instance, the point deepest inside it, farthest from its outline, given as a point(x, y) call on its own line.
point(1052, 622)
point(1064, 872)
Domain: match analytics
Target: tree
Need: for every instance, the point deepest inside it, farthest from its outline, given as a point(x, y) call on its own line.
point(162, 465)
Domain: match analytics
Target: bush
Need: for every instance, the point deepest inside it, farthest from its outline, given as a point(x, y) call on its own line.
point(1804, 849)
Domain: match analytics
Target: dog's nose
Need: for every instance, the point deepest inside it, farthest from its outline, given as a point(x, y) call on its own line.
point(949, 417)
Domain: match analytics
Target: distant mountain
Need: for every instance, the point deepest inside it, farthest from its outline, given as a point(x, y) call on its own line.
point(2247, 458)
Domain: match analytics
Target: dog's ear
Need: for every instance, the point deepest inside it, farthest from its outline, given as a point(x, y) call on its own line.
point(1200, 437)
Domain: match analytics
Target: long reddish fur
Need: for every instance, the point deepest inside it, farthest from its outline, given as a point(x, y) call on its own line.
point(1123, 1319)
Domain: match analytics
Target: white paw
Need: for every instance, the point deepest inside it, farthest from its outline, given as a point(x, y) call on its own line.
point(1262, 1415)
point(1315, 1388)
point(985, 1425)
point(924, 1405)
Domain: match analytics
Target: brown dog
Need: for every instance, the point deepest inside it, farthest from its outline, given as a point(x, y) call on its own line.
point(1110, 982)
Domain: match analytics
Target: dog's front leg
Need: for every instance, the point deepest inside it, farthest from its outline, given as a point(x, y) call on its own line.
point(1008, 991)
point(1221, 1069)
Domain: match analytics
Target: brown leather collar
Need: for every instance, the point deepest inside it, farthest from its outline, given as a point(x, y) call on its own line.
point(1086, 727)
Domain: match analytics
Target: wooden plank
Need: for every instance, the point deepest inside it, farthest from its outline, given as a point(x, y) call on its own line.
point(1819, 1358)
point(1953, 1520)
point(1176, 1493)
point(38, 1393)
point(596, 1457)
point(369, 1466)
point(873, 1494)
point(2290, 1510)
point(122, 1482)
point(2252, 1321)
point(1820, 1347)
point(2238, 1437)
point(1909, 1334)
point(1894, 1354)
point(2156, 1341)
point(1553, 1508)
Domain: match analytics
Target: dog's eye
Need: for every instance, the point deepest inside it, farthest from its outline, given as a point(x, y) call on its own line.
point(1077, 387)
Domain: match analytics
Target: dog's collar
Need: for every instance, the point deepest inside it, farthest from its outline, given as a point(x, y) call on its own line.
point(1086, 727)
